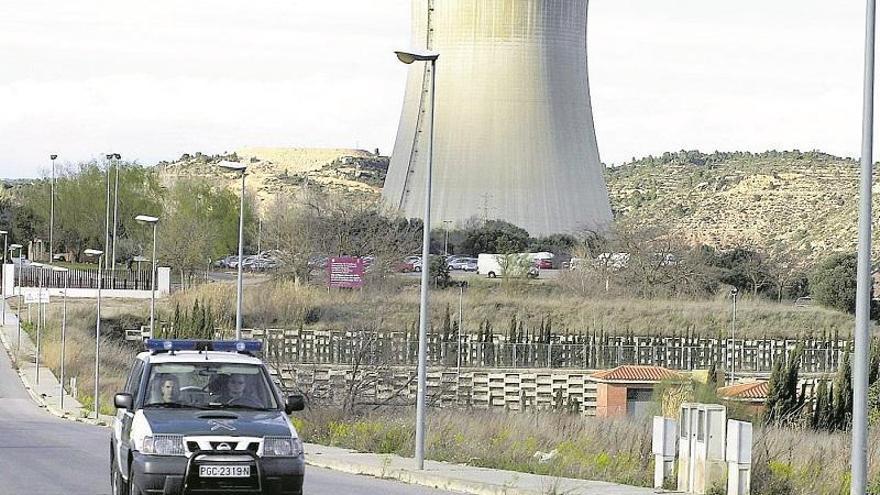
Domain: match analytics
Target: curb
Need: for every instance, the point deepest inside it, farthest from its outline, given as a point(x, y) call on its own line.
point(418, 478)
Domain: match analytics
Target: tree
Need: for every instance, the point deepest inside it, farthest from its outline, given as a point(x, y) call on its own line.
point(783, 401)
point(833, 282)
point(495, 236)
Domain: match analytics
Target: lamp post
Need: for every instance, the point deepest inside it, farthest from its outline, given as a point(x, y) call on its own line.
point(238, 167)
point(733, 293)
point(859, 459)
point(58, 269)
point(408, 57)
point(13, 247)
point(107, 204)
point(117, 156)
point(446, 237)
point(154, 221)
point(100, 255)
point(52, 212)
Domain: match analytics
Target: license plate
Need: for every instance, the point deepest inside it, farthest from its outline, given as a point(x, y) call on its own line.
point(211, 471)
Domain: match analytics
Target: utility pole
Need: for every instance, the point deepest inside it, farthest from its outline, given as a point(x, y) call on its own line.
point(859, 465)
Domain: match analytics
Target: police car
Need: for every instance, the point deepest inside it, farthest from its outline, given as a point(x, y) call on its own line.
point(204, 417)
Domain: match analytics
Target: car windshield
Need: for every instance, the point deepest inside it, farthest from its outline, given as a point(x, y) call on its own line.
point(209, 385)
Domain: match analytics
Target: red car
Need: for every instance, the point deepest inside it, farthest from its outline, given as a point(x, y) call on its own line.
point(543, 264)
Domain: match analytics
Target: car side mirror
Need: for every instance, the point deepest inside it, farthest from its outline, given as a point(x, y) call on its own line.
point(123, 401)
point(294, 403)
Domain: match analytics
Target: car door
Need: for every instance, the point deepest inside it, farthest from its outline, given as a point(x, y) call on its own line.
point(126, 416)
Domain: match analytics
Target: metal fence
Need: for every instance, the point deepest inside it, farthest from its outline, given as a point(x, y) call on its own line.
point(561, 352)
point(83, 278)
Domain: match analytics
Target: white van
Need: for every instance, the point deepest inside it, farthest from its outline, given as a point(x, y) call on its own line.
point(506, 265)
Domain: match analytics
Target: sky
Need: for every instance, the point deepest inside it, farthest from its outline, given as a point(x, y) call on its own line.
point(153, 80)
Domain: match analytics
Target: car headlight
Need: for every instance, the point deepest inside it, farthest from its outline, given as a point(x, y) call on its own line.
point(282, 447)
point(163, 445)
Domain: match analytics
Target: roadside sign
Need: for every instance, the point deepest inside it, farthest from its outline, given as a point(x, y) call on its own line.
point(346, 272)
point(36, 297)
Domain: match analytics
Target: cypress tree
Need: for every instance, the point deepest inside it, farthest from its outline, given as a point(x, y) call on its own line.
point(511, 331)
point(818, 420)
point(843, 394)
point(775, 393)
point(548, 329)
point(447, 325)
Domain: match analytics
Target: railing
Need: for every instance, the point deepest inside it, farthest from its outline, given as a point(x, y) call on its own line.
point(83, 278)
point(564, 352)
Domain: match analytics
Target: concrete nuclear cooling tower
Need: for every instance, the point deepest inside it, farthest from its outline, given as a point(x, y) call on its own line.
point(514, 137)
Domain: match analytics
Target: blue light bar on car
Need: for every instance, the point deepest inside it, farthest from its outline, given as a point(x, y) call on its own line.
point(169, 345)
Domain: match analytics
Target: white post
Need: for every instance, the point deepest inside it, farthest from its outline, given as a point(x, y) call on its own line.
point(426, 269)
point(153, 286)
point(98, 336)
point(460, 328)
point(239, 290)
point(115, 217)
point(39, 319)
point(63, 337)
point(859, 459)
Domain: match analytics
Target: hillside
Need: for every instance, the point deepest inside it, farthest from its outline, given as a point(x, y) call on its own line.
point(792, 200)
point(354, 173)
point(800, 201)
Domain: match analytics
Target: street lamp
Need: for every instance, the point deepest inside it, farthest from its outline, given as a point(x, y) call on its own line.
point(238, 167)
point(733, 293)
point(13, 247)
point(117, 156)
point(409, 57)
point(52, 211)
point(154, 221)
point(100, 255)
point(58, 269)
point(859, 456)
point(109, 157)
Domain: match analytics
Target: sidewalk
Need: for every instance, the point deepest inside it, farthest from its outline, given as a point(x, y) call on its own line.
point(458, 477)
point(46, 393)
point(442, 475)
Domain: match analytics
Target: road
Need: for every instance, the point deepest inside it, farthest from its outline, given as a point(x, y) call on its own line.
point(44, 455)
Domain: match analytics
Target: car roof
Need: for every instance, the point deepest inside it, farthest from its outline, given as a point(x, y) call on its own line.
point(193, 356)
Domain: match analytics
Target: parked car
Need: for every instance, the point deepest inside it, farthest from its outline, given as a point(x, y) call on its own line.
point(543, 264)
point(463, 263)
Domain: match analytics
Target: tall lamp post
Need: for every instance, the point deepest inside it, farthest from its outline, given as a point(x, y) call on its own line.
point(52, 212)
point(63, 271)
point(118, 157)
point(107, 204)
point(154, 221)
point(13, 247)
point(859, 460)
point(100, 255)
point(238, 167)
point(408, 57)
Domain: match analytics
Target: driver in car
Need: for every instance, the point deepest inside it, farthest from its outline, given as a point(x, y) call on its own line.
point(236, 393)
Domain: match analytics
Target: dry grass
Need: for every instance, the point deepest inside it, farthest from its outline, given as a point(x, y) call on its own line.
point(784, 461)
point(116, 354)
point(284, 304)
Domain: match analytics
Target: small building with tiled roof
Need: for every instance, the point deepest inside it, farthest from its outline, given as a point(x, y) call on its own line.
point(753, 395)
point(628, 390)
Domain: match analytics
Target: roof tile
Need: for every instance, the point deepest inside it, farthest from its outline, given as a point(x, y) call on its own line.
point(634, 373)
point(752, 390)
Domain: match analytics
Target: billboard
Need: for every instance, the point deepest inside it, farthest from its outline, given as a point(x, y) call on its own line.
point(346, 272)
